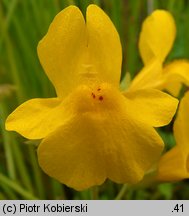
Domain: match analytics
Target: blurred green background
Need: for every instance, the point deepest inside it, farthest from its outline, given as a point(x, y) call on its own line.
point(22, 24)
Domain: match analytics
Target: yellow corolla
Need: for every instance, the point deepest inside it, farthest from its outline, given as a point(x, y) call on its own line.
point(155, 42)
point(174, 165)
point(91, 131)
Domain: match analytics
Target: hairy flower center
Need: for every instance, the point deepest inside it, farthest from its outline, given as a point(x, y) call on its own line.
point(95, 98)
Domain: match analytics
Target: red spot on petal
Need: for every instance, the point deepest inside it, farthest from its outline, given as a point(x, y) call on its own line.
point(98, 89)
point(100, 98)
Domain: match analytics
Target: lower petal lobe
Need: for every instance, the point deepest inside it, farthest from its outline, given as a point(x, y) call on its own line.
point(36, 118)
point(104, 139)
point(173, 165)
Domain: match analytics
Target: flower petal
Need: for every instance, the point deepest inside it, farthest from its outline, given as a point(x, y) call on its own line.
point(152, 106)
point(104, 141)
point(72, 156)
point(181, 125)
point(74, 52)
point(173, 87)
point(173, 165)
point(60, 51)
point(175, 74)
point(157, 36)
point(104, 45)
point(149, 77)
point(36, 118)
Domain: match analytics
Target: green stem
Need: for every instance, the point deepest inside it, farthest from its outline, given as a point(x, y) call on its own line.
point(97, 2)
point(7, 146)
point(14, 157)
point(37, 173)
point(117, 8)
point(171, 5)
point(150, 6)
point(14, 70)
point(95, 193)
point(10, 13)
point(21, 166)
point(122, 192)
point(132, 54)
point(71, 2)
point(8, 193)
point(58, 190)
point(16, 187)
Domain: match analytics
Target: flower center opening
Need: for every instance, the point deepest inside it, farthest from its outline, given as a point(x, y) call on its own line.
point(97, 94)
point(96, 98)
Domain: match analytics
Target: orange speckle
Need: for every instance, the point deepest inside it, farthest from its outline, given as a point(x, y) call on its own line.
point(98, 89)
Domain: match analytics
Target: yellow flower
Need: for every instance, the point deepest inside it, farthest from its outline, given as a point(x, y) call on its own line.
point(91, 131)
point(174, 164)
point(155, 42)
